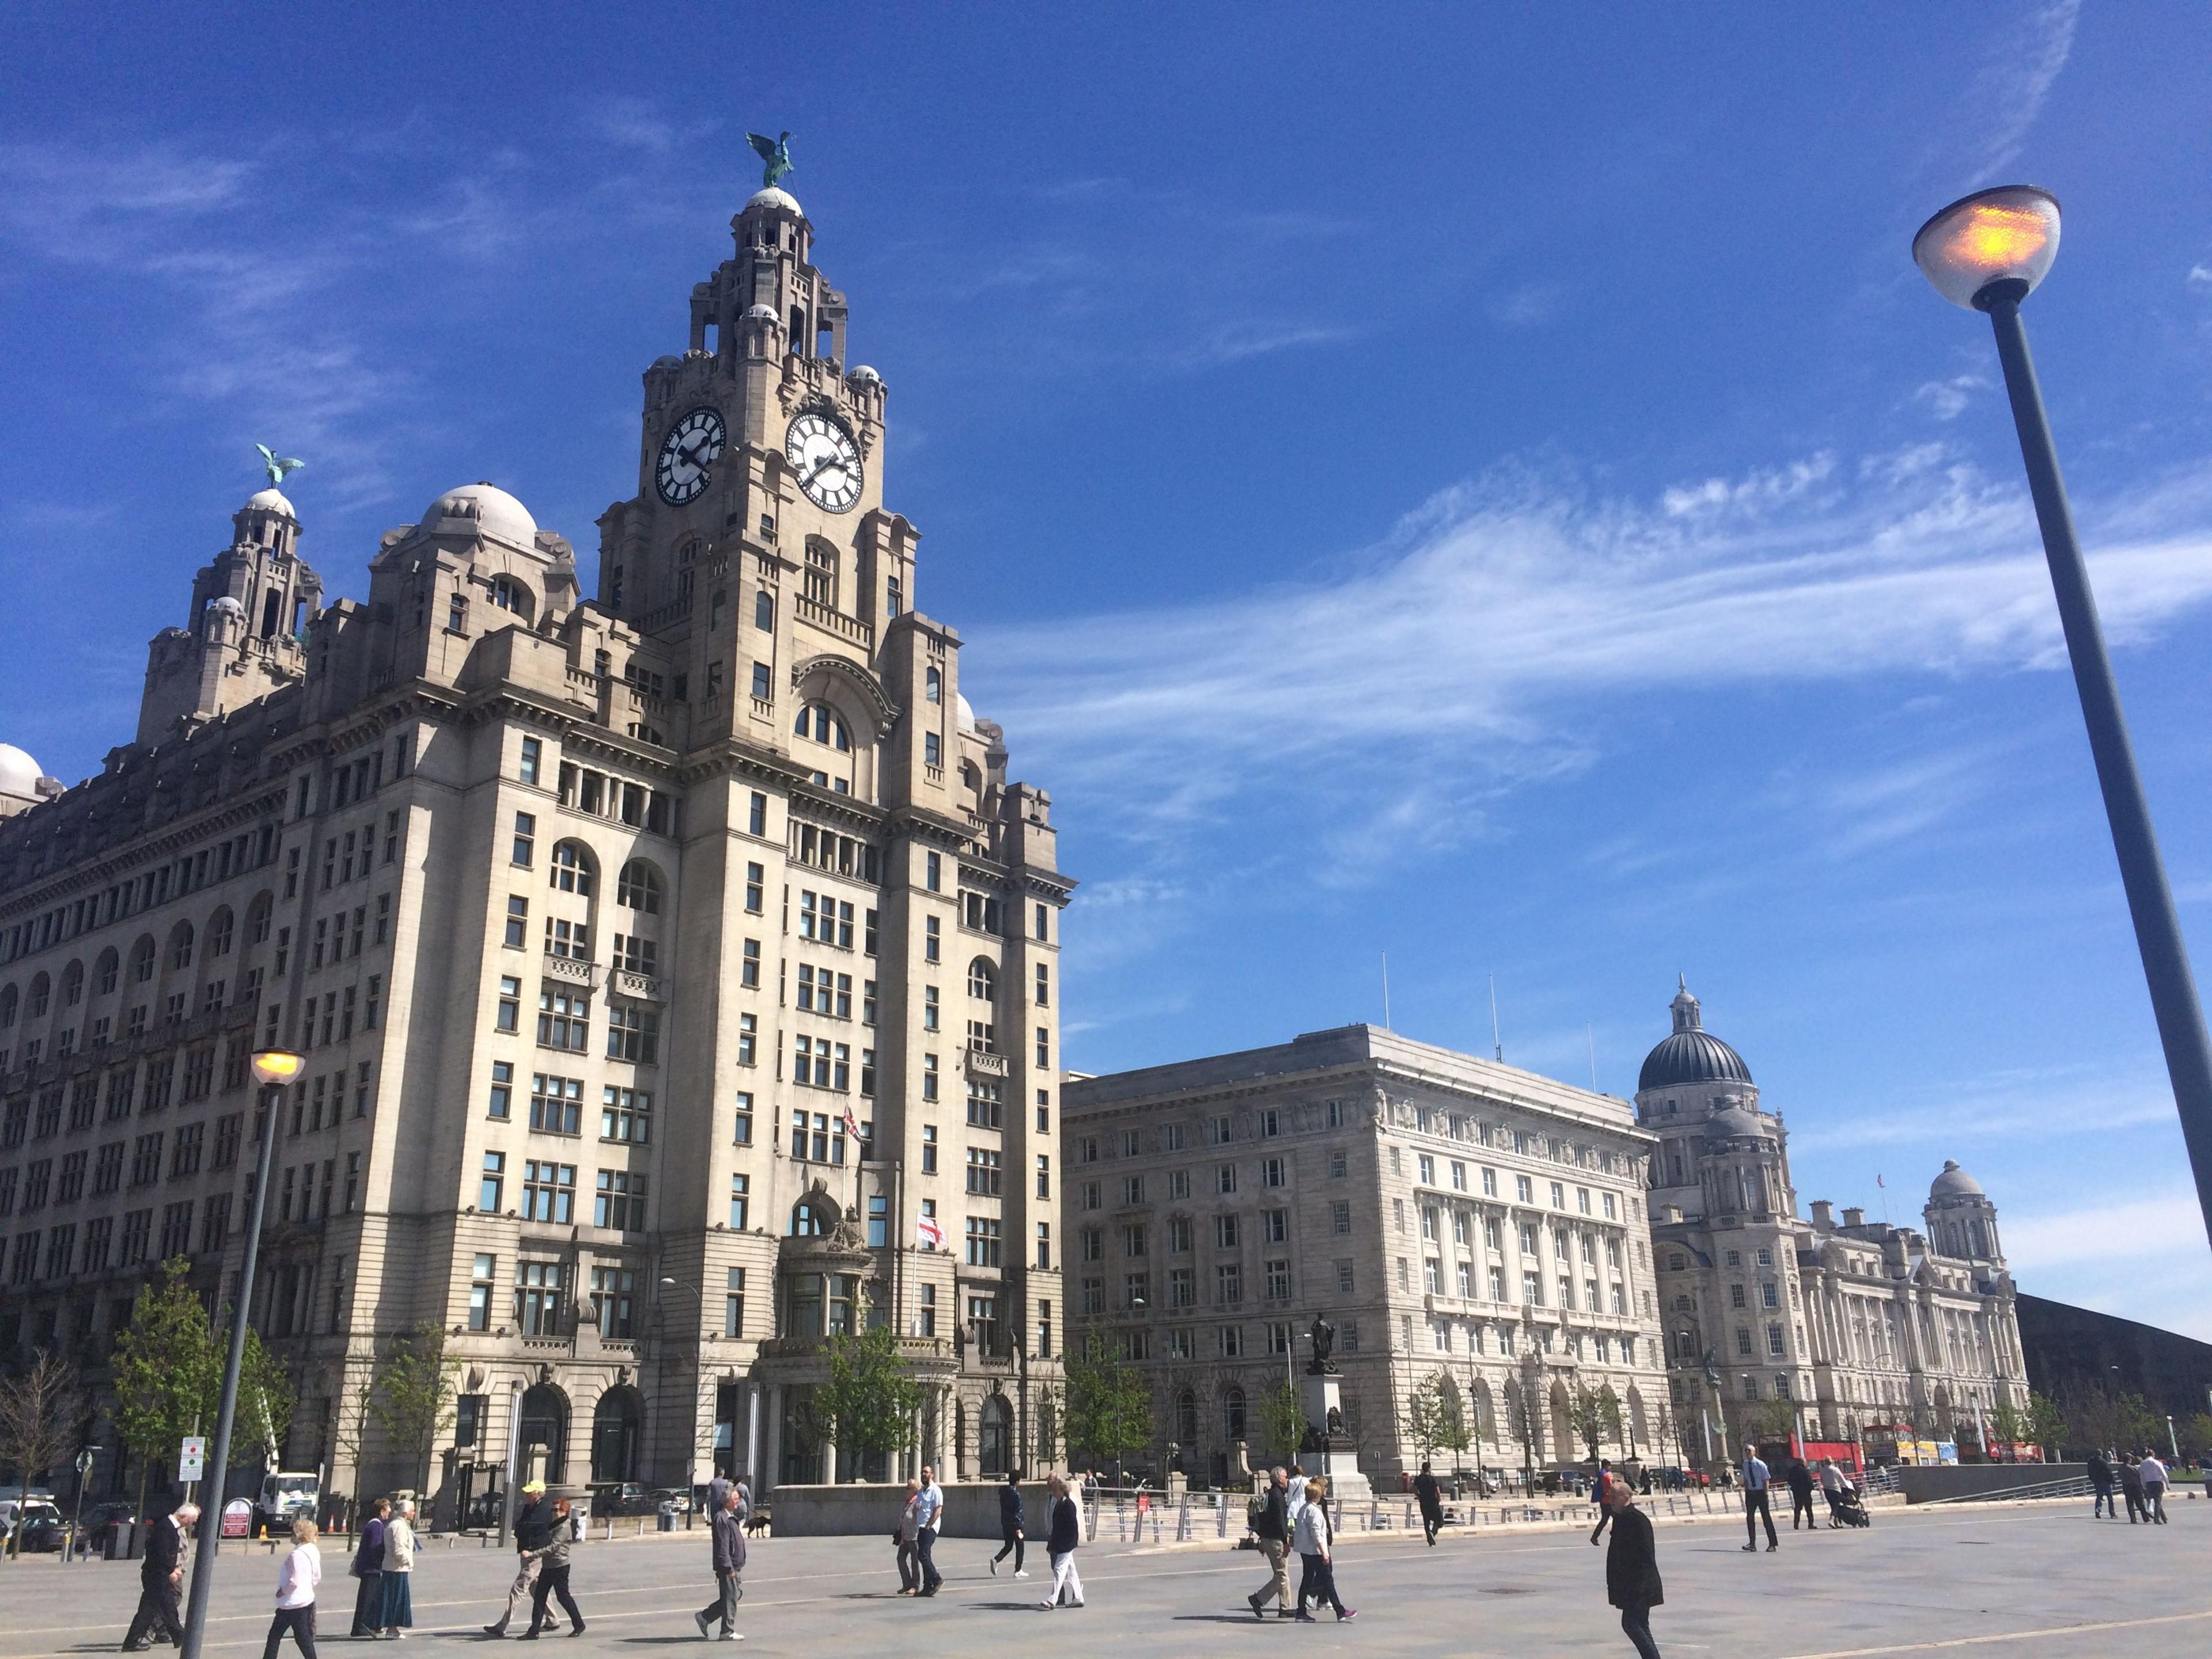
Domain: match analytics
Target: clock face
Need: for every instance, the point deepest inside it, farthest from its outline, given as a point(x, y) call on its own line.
point(688, 455)
point(827, 460)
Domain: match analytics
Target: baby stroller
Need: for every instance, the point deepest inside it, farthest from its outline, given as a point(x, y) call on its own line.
point(1846, 1510)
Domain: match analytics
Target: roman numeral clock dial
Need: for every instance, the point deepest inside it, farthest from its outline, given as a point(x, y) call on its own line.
point(687, 455)
point(827, 460)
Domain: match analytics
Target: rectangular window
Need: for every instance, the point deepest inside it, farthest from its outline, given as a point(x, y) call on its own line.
point(632, 1034)
point(549, 1192)
point(1279, 1281)
point(481, 1282)
point(762, 690)
point(1228, 1284)
point(982, 1240)
point(756, 814)
point(619, 1201)
point(564, 1018)
point(556, 1104)
point(532, 752)
point(537, 1297)
point(983, 1172)
point(740, 1199)
point(1224, 1232)
point(929, 1149)
point(733, 1303)
point(487, 1191)
point(933, 944)
point(526, 839)
point(625, 1114)
point(509, 1015)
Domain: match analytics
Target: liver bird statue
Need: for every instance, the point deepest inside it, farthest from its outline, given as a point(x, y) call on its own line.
point(277, 465)
point(775, 152)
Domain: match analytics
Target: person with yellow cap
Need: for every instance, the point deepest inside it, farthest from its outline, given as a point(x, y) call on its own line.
point(533, 1531)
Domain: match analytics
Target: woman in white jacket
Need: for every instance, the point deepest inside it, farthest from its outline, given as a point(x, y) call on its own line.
point(1313, 1538)
point(398, 1605)
point(295, 1593)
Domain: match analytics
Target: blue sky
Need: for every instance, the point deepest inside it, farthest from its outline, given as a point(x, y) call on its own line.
point(1488, 488)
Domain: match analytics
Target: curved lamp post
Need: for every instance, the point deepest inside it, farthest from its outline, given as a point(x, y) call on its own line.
point(273, 1068)
point(1987, 252)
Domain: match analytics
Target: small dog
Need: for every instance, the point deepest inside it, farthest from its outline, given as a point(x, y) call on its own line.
point(757, 1523)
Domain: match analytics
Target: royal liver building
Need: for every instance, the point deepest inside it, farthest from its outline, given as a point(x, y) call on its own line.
point(677, 969)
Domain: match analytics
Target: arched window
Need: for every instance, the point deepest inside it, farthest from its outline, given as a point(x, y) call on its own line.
point(1232, 1414)
point(9, 999)
point(219, 932)
point(509, 594)
point(994, 1436)
point(42, 990)
point(982, 979)
point(1186, 1418)
point(819, 721)
point(142, 959)
point(764, 612)
point(72, 985)
point(572, 868)
point(932, 686)
point(638, 887)
point(108, 970)
point(812, 1216)
point(181, 946)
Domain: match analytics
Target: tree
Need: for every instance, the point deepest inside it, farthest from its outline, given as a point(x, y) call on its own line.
point(41, 1415)
point(1282, 1422)
point(1425, 1413)
point(1520, 1423)
point(349, 1421)
point(1451, 1419)
point(1109, 1408)
point(2108, 1421)
point(1771, 1419)
point(2046, 1425)
point(166, 1375)
point(2195, 1432)
point(414, 1401)
point(1595, 1413)
point(871, 1398)
point(2008, 1426)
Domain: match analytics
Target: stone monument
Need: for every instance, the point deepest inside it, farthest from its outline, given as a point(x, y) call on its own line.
point(1325, 1451)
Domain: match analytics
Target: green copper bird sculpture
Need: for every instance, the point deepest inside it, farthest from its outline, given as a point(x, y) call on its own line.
point(277, 465)
point(776, 152)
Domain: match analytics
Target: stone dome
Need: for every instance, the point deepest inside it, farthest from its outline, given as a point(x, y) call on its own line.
point(497, 513)
point(782, 200)
point(273, 500)
point(862, 372)
point(19, 773)
point(963, 712)
point(1735, 1120)
point(227, 605)
point(1690, 1053)
point(762, 315)
point(1955, 1182)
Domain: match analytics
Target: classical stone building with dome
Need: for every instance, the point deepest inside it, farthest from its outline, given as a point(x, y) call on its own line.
point(1841, 1330)
point(676, 966)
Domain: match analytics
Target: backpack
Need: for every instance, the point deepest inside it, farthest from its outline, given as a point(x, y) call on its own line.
point(1256, 1505)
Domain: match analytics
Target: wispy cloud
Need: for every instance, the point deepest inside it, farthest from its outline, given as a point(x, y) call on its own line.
point(1948, 399)
point(2136, 1231)
point(2008, 93)
point(1526, 307)
point(2009, 1107)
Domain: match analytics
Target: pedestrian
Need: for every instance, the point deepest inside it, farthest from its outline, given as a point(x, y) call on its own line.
point(553, 1577)
point(929, 1516)
point(1313, 1539)
point(1800, 1494)
point(295, 1593)
point(160, 1571)
point(2100, 1481)
point(1009, 1525)
point(368, 1569)
point(902, 1536)
point(2132, 1488)
point(1832, 1485)
point(1632, 1570)
point(729, 1541)
point(1066, 1532)
point(533, 1529)
point(2151, 1470)
point(1431, 1497)
point(1270, 1526)
point(1605, 1477)
point(397, 1613)
point(1755, 1482)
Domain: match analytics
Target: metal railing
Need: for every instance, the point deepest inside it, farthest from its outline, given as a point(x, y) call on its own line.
point(2079, 1487)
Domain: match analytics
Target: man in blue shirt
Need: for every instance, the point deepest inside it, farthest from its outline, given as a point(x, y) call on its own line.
point(928, 1511)
point(1755, 1479)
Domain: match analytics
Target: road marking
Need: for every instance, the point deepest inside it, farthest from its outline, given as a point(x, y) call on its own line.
point(2010, 1636)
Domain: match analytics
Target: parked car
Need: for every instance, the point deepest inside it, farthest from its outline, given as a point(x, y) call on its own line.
point(40, 1522)
point(671, 1500)
point(625, 1498)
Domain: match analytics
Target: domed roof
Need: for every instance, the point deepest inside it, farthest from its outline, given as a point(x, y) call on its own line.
point(1735, 1119)
point(773, 198)
point(862, 372)
point(1690, 1053)
point(19, 773)
point(227, 605)
point(762, 315)
point(273, 500)
point(1955, 1182)
point(496, 513)
point(965, 712)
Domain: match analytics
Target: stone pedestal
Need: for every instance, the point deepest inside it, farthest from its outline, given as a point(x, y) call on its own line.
point(1327, 1453)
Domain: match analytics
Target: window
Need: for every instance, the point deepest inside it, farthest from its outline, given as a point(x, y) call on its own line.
point(1224, 1232)
point(983, 980)
point(756, 814)
point(619, 1201)
point(929, 1149)
point(1043, 984)
point(632, 1034)
point(1279, 1281)
point(571, 870)
point(487, 1191)
point(1339, 1217)
point(1183, 1288)
point(1271, 1171)
point(984, 1172)
point(748, 1037)
point(740, 1197)
point(532, 753)
point(932, 942)
point(743, 1134)
point(526, 838)
point(982, 1240)
point(733, 1298)
point(639, 888)
point(929, 1008)
point(482, 1278)
point(755, 878)
point(762, 687)
point(1179, 1232)
point(549, 1192)
point(1229, 1284)
point(1774, 1341)
point(1225, 1178)
point(625, 1114)
point(537, 1297)
point(1339, 1163)
point(564, 1018)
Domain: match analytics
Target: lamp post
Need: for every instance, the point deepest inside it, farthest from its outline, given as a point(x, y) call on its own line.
point(699, 1297)
point(274, 1068)
point(1987, 252)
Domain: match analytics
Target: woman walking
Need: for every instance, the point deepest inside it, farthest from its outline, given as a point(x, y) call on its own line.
point(553, 1578)
point(1060, 1545)
point(368, 1568)
point(902, 1536)
point(398, 1614)
point(295, 1593)
point(1315, 1537)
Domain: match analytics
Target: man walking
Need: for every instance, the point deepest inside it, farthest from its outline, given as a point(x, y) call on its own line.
point(2132, 1488)
point(2152, 1472)
point(2100, 1481)
point(1800, 1494)
point(1831, 1486)
point(1009, 1525)
point(533, 1531)
point(1632, 1569)
point(1755, 1483)
point(1431, 1499)
point(1271, 1525)
point(1605, 1478)
point(159, 1575)
point(928, 1511)
point(1060, 1545)
point(729, 1562)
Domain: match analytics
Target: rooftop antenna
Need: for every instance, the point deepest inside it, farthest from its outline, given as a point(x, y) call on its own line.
point(1386, 990)
point(1496, 1046)
point(1589, 1035)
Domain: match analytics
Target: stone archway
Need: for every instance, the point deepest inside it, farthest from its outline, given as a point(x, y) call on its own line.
point(1639, 1428)
point(618, 1432)
point(1566, 1447)
point(995, 1431)
point(541, 1442)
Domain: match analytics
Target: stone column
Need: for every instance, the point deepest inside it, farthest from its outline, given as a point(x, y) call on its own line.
point(774, 1460)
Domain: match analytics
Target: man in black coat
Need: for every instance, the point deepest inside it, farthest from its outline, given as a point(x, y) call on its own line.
point(729, 1564)
point(1010, 1524)
point(160, 1575)
point(1632, 1569)
point(1800, 1494)
point(2101, 1482)
point(1431, 1498)
point(1270, 1526)
point(533, 1531)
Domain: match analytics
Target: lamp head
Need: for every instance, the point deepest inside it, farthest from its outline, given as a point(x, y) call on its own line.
point(277, 1066)
point(2008, 235)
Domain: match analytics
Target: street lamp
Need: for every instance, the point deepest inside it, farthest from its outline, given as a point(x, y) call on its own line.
point(273, 1068)
point(1987, 252)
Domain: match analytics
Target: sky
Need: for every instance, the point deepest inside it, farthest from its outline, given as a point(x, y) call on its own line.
point(1481, 487)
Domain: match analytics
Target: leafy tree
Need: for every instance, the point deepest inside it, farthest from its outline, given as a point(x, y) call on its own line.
point(1451, 1419)
point(1771, 1419)
point(1282, 1422)
point(1425, 1413)
point(870, 1399)
point(1109, 1408)
point(1595, 1413)
point(42, 1414)
point(349, 1421)
point(166, 1371)
point(2007, 1424)
point(2108, 1421)
point(265, 1401)
point(1520, 1423)
point(413, 1402)
point(2045, 1423)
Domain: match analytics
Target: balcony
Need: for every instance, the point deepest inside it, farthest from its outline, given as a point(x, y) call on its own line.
point(638, 988)
point(573, 970)
point(981, 1063)
point(835, 622)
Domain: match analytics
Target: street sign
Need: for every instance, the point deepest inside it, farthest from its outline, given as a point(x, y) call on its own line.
point(84, 1461)
point(237, 1518)
point(192, 1461)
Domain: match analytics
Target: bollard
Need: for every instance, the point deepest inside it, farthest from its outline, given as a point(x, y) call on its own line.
point(1221, 1520)
point(1183, 1519)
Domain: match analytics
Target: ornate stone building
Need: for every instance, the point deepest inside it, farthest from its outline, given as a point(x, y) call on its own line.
point(677, 970)
point(1843, 1328)
point(1450, 1217)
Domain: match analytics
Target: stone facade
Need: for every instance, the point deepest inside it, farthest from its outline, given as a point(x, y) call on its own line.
point(1449, 1216)
point(675, 970)
point(1836, 1329)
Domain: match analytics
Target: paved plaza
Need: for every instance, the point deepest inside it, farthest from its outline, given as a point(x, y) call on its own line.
point(2037, 1580)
